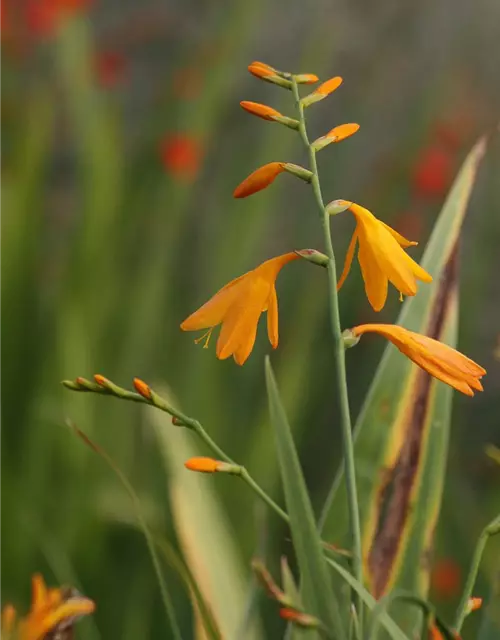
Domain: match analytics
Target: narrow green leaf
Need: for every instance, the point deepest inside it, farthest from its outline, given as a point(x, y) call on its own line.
point(319, 598)
point(402, 431)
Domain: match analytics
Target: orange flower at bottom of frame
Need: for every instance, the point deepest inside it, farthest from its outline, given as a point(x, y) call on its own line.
point(51, 610)
point(438, 359)
point(238, 306)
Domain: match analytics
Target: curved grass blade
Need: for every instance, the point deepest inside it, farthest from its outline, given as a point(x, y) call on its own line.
point(318, 595)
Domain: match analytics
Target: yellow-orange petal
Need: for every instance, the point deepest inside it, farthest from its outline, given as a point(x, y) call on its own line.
point(329, 86)
point(261, 69)
point(202, 464)
point(260, 110)
point(38, 592)
point(401, 239)
point(342, 132)
point(259, 179)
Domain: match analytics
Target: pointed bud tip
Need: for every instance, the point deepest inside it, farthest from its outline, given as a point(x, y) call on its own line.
point(313, 256)
point(142, 388)
point(337, 206)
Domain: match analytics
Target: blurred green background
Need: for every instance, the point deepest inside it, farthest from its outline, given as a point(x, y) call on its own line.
point(122, 143)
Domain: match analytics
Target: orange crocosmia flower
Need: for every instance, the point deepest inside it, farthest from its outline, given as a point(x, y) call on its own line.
point(204, 465)
point(181, 155)
point(329, 86)
point(51, 610)
point(381, 258)
point(238, 306)
point(261, 110)
point(438, 359)
point(259, 179)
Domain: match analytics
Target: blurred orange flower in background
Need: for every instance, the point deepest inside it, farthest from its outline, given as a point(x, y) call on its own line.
point(110, 68)
point(433, 171)
point(181, 155)
point(51, 610)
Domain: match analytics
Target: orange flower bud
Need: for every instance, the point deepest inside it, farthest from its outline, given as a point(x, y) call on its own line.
point(329, 86)
point(474, 604)
point(299, 618)
point(203, 465)
point(259, 179)
point(261, 110)
point(306, 78)
point(261, 70)
point(142, 388)
point(322, 91)
point(337, 134)
point(101, 380)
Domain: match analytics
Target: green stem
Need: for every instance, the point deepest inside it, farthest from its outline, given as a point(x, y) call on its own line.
point(339, 356)
point(262, 494)
point(492, 529)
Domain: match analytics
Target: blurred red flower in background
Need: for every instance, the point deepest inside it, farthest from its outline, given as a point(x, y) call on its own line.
point(433, 171)
point(110, 68)
point(181, 155)
point(446, 578)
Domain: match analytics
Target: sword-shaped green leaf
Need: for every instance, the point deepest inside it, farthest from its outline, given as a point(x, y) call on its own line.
point(318, 595)
point(402, 431)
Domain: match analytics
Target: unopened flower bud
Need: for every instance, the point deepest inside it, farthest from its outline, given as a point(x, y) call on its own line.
point(473, 604)
point(316, 257)
point(337, 206)
point(269, 74)
point(306, 78)
point(209, 465)
point(337, 134)
point(322, 91)
point(142, 388)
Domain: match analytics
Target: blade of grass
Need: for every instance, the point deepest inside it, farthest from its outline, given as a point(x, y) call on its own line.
point(319, 597)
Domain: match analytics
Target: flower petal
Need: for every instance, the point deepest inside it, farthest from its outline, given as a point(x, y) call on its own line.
point(376, 282)
point(212, 312)
point(401, 239)
point(259, 179)
point(272, 318)
point(348, 259)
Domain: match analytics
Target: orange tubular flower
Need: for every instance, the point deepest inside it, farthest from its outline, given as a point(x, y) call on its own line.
point(381, 258)
point(203, 465)
point(259, 179)
point(51, 609)
point(438, 359)
point(238, 306)
point(261, 110)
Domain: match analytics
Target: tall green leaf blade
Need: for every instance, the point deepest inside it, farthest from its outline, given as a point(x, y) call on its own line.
point(402, 431)
point(318, 595)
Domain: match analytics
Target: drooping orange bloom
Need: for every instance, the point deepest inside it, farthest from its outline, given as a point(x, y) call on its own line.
point(381, 258)
point(181, 155)
point(238, 306)
point(261, 110)
point(438, 359)
point(259, 179)
point(51, 609)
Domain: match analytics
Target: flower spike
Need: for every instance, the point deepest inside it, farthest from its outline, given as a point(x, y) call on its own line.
point(438, 359)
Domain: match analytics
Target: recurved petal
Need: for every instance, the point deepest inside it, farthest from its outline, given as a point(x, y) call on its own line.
point(449, 355)
point(272, 318)
point(401, 239)
point(212, 312)
point(438, 370)
point(259, 179)
point(376, 283)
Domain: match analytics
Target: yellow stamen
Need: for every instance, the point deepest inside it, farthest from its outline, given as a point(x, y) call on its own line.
point(401, 299)
point(206, 335)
